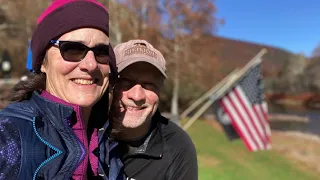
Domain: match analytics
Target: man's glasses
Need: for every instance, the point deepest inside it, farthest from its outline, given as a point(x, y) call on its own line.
point(76, 51)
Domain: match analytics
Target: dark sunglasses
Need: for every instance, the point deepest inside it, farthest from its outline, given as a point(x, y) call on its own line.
point(76, 51)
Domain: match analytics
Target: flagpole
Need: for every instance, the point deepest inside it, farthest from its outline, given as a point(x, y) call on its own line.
point(254, 61)
point(214, 96)
point(198, 113)
point(220, 90)
point(207, 94)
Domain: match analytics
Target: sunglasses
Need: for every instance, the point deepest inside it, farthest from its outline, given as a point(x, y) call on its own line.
point(76, 51)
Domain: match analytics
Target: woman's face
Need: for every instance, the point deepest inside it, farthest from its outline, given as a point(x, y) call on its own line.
point(82, 83)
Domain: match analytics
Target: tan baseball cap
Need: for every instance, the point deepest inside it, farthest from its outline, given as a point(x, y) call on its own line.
point(139, 51)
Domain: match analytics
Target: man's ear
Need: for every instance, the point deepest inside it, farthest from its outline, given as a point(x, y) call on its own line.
point(110, 99)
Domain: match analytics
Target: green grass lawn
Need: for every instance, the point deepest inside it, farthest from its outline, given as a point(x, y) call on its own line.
point(221, 159)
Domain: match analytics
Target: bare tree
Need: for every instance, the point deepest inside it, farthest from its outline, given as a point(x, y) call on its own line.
point(139, 16)
point(20, 20)
point(182, 18)
point(316, 51)
point(122, 18)
point(289, 80)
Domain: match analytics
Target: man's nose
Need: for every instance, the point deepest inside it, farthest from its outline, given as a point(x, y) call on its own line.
point(137, 94)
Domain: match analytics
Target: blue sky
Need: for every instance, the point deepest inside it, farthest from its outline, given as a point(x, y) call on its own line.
point(293, 25)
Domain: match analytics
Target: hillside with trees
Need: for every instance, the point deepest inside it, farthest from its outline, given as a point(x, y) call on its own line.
point(187, 36)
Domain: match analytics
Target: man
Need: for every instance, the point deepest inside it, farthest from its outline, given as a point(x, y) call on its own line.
point(151, 146)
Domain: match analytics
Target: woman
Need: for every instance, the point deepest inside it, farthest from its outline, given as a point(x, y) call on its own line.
point(56, 128)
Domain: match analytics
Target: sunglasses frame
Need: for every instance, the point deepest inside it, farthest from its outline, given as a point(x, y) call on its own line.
point(58, 44)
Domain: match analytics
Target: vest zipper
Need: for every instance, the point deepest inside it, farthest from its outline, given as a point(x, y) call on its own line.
point(58, 152)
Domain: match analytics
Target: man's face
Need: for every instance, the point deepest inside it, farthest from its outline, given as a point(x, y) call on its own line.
point(136, 95)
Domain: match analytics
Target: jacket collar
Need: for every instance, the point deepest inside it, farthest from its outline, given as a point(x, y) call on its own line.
point(54, 111)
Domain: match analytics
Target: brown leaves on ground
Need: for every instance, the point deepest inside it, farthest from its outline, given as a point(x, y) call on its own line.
point(208, 160)
point(303, 150)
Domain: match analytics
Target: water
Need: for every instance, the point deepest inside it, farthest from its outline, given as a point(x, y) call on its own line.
point(313, 126)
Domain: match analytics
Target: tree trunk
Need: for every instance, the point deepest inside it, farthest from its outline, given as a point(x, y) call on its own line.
point(175, 91)
point(118, 38)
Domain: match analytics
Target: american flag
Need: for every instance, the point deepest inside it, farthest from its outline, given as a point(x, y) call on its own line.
point(244, 105)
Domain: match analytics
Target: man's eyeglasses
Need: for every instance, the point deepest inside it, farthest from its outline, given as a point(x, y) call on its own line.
point(76, 51)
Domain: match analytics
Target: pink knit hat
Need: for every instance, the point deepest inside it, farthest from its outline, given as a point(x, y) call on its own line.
point(63, 16)
point(58, 3)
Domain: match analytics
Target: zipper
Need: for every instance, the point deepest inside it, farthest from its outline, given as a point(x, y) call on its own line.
point(77, 140)
point(58, 152)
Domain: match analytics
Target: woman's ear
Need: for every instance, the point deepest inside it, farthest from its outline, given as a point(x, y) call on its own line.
point(43, 68)
point(44, 64)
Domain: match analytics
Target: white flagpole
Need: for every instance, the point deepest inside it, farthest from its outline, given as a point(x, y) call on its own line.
point(221, 90)
point(207, 94)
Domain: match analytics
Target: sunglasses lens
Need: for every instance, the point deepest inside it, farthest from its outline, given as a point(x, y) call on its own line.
point(101, 53)
point(73, 51)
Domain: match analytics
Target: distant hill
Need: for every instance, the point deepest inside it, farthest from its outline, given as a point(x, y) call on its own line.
point(236, 53)
point(314, 61)
point(211, 58)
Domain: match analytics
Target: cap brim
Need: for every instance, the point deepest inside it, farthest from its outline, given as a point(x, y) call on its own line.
point(121, 66)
